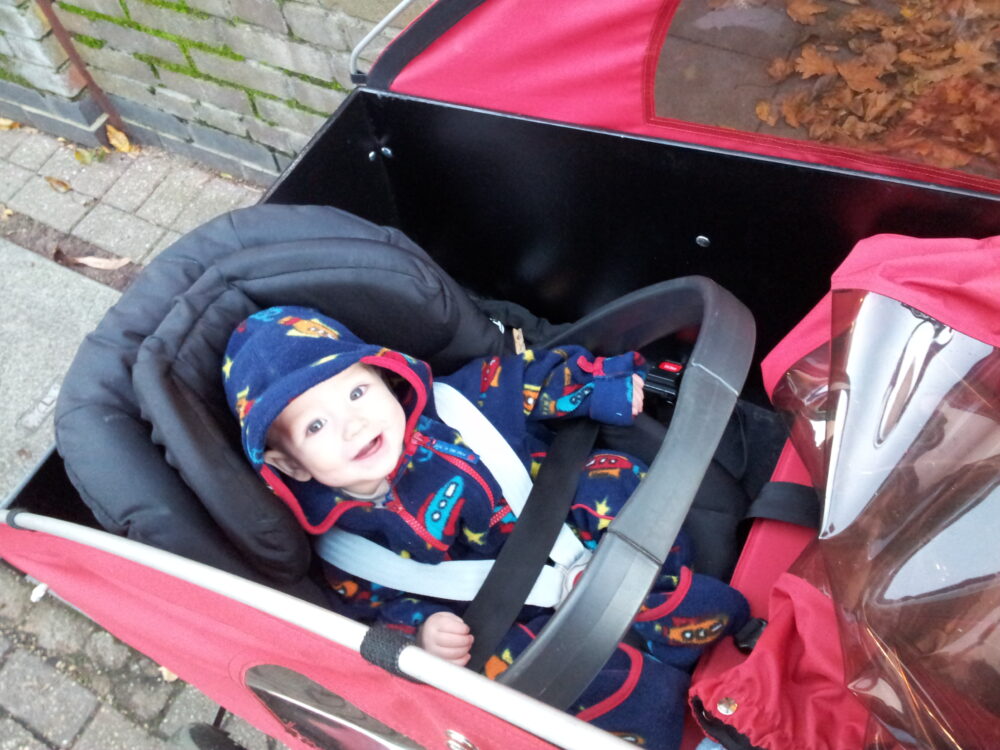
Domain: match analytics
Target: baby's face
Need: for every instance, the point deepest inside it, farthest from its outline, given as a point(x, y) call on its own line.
point(346, 432)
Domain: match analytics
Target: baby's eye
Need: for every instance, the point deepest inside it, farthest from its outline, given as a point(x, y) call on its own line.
point(315, 426)
point(358, 392)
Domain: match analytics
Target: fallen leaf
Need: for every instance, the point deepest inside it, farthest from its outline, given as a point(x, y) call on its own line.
point(860, 75)
point(167, 675)
point(864, 19)
point(811, 63)
point(60, 186)
point(83, 156)
point(803, 11)
point(792, 108)
point(6, 124)
point(92, 261)
point(118, 139)
point(5, 213)
point(765, 113)
point(972, 52)
point(780, 68)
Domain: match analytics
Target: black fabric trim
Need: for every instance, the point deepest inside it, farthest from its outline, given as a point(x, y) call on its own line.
point(787, 501)
point(503, 593)
point(719, 731)
point(423, 32)
point(382, 646)
point(12, 519)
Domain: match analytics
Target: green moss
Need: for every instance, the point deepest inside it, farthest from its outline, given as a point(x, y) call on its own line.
point(9, 75)
point(128, 23)
point(333, 85)
point(178, 7)
point(89, 41)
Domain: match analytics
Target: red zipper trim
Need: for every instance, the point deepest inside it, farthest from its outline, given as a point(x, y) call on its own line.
point(396, 506)
point(458, 463)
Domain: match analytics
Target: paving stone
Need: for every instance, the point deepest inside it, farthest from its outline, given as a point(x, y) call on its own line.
point(57, 628)
point(44, 699)
point(118, 232)
point(141, 691)
point(33, 151)
point(110, 730)
point(39, 200)
point(5, 645)
point(173, 195)
point(761, 30)
point(191, 705)
point(11, 139)
point(92, 179)
point(34, 288)
point(169, 238)
point(139, 181)
point(249, 736)
point(216, 197)
point(107, 651)
point(15, 737)
point(12, 179)
point(691, 75)
point(14, 592)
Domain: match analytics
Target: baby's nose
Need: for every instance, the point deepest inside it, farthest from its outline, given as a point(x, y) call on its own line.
point(354, 425)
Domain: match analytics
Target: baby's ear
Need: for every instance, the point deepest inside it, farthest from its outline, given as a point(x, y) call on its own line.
point(286, 464)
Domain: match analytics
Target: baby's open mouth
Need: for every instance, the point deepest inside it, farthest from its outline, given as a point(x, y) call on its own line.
point(370, 448)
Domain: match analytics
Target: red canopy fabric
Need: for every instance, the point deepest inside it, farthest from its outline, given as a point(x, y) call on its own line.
point(211, 641)
point(593, 63)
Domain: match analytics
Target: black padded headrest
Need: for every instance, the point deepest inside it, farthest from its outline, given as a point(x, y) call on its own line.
point(141, 421)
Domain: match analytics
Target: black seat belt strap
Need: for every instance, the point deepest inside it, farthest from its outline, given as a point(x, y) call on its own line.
point(491, 614)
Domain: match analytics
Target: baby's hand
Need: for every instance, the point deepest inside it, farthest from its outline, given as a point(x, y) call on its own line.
point(637, 395)
point(446, 635)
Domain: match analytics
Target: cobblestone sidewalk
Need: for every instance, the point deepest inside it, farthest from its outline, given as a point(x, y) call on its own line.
point(64, 681)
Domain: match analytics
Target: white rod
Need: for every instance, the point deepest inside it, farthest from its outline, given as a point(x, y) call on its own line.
point(529, 714)
point(356, 52)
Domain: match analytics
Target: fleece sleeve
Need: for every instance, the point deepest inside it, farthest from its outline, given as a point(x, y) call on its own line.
point(570, 381)
point(368, 602)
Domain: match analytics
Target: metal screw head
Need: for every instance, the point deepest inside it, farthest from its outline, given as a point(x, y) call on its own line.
point(372, 156)
point(702, 241)
point(727, 706)
point(386, 152)
point(457, 741)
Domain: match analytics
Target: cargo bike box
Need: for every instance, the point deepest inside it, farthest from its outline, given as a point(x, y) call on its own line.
point(524, 147)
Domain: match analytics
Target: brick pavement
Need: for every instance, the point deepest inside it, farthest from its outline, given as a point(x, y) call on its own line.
point(64, 681)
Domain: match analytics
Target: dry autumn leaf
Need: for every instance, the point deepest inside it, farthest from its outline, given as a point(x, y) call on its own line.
point(6, 124)
point(167, 675)
point(861, 75)
point(804, 11)
point(765, 113)
point(103, 264)
point(118, 140)
point(780, 68)
point(60, 186)
point(812, 63)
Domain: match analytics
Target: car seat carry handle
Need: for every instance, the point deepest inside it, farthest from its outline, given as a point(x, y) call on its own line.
point(584, 632)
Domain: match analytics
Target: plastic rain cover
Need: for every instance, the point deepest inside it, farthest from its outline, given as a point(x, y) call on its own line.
point(898, 420)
